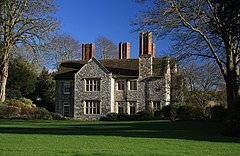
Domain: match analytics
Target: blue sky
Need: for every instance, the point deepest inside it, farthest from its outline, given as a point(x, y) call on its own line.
point(85, 20)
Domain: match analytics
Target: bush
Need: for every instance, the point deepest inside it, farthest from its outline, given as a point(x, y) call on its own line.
point(158, 115)
point(26, 109)
point(186, 111)
point(42, 114)
point(168, 112)
point(143, 116)
point(232, 125)
point(218, 112)
point(9, 111)
point(13, 94)
point(57, 116)
point(198, 113)
point(112, 116)
point(123, 117)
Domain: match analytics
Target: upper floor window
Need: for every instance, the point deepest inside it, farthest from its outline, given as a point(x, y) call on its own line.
point(66, 87)
point(121, 85)
point(92, 85)
point(156, 105)
point(133, 84)
point(92, 107)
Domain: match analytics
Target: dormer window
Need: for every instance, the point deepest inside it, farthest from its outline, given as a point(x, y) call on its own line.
point(66, 87)
point(92, 85)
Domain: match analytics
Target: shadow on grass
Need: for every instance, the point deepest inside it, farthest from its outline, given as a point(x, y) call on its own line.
point(188, 130)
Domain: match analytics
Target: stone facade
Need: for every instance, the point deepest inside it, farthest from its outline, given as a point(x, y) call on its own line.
point(90, 88)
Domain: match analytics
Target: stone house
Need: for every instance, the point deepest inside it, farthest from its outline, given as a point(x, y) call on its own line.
point(91, 88)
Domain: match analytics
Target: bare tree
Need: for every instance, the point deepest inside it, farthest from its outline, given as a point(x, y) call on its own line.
point(208, 29)
point(61, 48)
point(202, 82)
point(105, 48)
point(23, 22)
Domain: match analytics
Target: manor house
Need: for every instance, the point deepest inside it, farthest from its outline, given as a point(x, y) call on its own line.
point(89, 88)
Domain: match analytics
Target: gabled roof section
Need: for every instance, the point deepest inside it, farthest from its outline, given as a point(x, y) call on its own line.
point(99, 65)
point(118, 67)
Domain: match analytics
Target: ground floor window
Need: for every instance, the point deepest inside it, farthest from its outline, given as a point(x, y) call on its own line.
point(132, 107)
point(156, 105)
point(66, 109)
point(92, 107)
point(121, 107)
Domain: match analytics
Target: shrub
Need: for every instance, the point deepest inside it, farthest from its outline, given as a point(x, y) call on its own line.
point(218, 112)
point(158, 115)
point(198, 113)
point(13, 94)
point(186, 111)
point(168, 112)
point(42, 114)
point(143, 116)
point(112, 116)
point(232, 125)
point(9, 111)
point(104, 118)
point(57, 116)
point(123, 117)
point(26, 109)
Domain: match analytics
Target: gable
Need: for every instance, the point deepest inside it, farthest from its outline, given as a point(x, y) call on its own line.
point(92, 68)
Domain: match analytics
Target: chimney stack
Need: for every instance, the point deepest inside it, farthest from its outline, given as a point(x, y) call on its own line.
point(124, 50)
point(146, 45)
point(87, 51)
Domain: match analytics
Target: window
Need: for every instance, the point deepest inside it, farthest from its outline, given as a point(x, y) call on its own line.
point(121, 107)
point(92, 107)
point(92, 85)
point(66, 109)
point(132, 107)
point(66, 88)
point(121, 85)
point(156, 105)
point(133, 85)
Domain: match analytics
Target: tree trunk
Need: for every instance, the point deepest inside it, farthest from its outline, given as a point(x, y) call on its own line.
point(3, 80)
point(233, 92)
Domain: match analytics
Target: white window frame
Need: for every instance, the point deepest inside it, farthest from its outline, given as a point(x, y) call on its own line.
point(66, 105)
point(133, 84)
point(132, 107)
point(121, 85)
point(92, 107)
point(66, 87)
point(156, 105)
point(122, 105)
point(92, 85)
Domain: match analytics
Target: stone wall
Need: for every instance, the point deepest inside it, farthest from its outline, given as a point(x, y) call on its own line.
point(61, 98)
point(92, 70)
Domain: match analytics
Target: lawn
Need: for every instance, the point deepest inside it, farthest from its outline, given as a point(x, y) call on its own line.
point(77, 138)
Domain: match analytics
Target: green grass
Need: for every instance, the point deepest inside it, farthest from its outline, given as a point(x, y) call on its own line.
point(77, 138)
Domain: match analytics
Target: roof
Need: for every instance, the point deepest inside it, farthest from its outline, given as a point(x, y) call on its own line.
point(118, 67)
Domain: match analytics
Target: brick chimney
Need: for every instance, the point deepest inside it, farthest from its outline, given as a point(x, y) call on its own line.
point(124, 50)
point(87, 51)
point(145, 44)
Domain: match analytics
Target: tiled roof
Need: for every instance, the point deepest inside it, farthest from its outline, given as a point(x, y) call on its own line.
point(118, 67)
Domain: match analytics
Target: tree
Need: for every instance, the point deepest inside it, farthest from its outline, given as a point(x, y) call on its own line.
point(44, 95)
point(61, 48)
point(202, 82)
point(105, 48)
point(22, 78)
point(25, 22)
point(208, 29)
